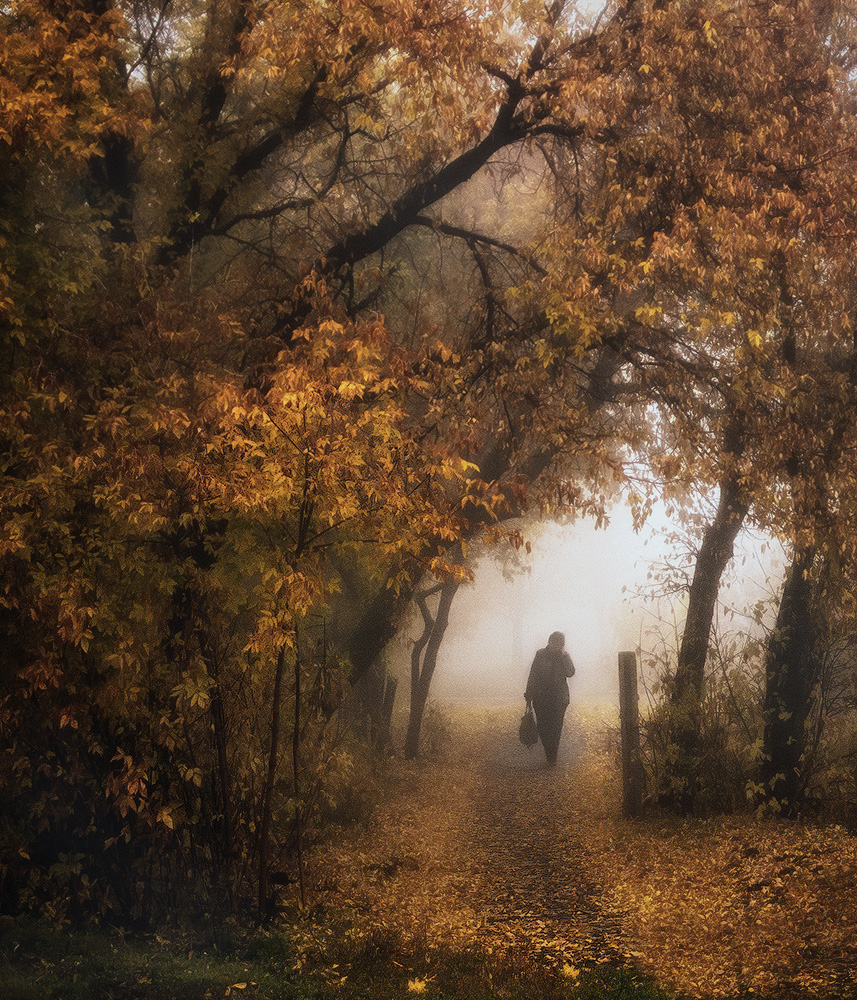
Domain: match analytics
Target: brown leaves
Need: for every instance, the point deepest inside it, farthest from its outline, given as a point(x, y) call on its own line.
point(477, 832)
point(717, 907)
point(537, 865)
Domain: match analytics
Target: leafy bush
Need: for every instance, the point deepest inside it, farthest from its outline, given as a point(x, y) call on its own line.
point(706, 757)
point(345, 786)
point(702, 757)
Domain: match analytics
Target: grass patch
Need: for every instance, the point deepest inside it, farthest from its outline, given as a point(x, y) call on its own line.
point(41, 962)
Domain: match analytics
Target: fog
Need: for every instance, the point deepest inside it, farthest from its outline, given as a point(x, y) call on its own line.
point(596, 586)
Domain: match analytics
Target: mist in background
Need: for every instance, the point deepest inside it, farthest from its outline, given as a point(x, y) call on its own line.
point(599, 587)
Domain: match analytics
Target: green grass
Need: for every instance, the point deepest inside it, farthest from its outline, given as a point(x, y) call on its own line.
point(41, 962)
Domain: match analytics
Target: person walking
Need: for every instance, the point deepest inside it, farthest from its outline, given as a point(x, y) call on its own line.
point(547, 692)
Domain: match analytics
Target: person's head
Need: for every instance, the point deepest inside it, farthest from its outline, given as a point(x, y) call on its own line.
point(556, 640)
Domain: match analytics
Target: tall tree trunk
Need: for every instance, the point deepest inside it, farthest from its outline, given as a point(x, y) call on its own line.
point(421, 674)
point(225, 874)
point(791, 670)
point(296, 771)
point(270, 779)
point(377, 627)
point(717, 547)
point(685, 720)
point(383, 739)
point(224, 780)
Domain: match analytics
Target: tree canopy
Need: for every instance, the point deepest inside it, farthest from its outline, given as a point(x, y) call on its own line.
point(298, 298)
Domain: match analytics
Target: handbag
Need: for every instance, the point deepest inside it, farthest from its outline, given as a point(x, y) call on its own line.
point(528, 732)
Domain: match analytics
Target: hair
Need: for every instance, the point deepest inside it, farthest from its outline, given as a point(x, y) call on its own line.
point(556, 639)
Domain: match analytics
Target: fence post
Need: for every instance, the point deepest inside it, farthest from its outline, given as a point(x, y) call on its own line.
point(632, 768)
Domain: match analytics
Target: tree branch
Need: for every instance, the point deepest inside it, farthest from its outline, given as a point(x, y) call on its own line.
point(469, 236)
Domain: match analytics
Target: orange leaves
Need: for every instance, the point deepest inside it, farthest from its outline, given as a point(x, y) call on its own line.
point(50, 71)
point(367, 47)
point(694, 245)
point(73, 626)
point(165, 816)
point(762, 903)
point(128, 786)
point(326, 461)
point(481, 849)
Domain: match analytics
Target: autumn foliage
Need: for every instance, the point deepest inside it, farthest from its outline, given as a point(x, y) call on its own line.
point(298, 300)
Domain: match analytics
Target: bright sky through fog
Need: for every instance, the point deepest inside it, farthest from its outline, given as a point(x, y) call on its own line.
point(575, 585)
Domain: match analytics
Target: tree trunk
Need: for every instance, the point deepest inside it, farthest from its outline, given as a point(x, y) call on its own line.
point(218, 717)
point(377, 627)
point(383, 739)
point(225, 875)
point(270, 778)
point(421, 675)
point(791, 670)
point(714, 555)
point(685, 719)
point(296, 770)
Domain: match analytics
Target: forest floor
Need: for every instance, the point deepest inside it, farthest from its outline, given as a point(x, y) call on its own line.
point(480, 872)
point(486, 847)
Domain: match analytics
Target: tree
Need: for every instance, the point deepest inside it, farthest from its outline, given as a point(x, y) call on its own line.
point(723, 247)
point(821, 528)
point(424, 657)
point(219, 368)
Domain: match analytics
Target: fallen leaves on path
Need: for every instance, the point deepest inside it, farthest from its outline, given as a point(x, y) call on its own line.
point(489, 847)
point(720, 907)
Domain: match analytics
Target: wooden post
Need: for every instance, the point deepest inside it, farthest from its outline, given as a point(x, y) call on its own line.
point(632, 768)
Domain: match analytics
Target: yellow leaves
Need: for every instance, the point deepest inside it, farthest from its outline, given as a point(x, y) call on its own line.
point(368, 124)
point(165, 817)
point(51, 81)
point(193, 691)
point(68, 718)
point(194, 776)
point(417, 985)
point(575, 323)
point(667, 465)
point(477, 878)
point(649, 315)
point(348, 390)
point(467, 468)
point(329, 452)
point(748, 893)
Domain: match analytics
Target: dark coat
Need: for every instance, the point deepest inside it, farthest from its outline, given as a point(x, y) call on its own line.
point(547, 684)
point(547, 689)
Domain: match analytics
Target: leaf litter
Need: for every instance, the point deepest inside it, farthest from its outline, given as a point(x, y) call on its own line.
point(488, 848)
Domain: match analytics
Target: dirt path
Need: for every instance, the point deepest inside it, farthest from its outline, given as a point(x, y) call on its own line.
point(481, 844)
point(535, 882)
point(483, 848)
